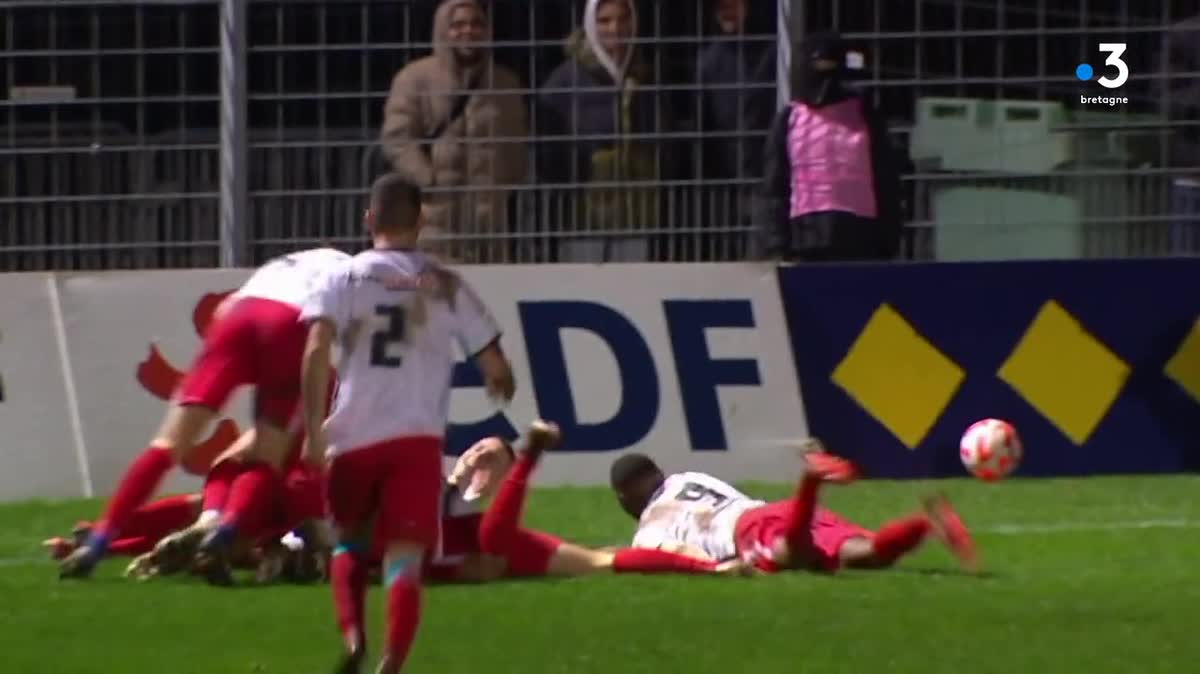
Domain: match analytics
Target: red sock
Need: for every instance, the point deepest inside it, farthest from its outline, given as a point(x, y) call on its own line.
point(900, 537)
point(159, 518)
point(251, 497)
point(348, 576)
point(138, 484)
point(798, 532)
point(132, 546)
point(498, 528)
point(403, 616)
point(643, 560)
point(218, 482)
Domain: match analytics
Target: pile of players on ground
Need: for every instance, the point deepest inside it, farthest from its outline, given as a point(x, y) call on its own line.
point(714, 527)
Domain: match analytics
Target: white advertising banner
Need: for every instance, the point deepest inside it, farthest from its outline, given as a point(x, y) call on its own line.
point(690, 364)
point(40, 456)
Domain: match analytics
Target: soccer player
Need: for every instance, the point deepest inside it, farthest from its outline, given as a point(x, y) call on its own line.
point(156, 533)
point(528, 553)
point(257, 339)
point(143, 530)
point(696, 511)
point(396, 312)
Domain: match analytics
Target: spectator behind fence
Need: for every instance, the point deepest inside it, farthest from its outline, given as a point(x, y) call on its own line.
point(443, 127)
point(831, 189)
point(1180, 97)
point(601, 95)
point(730, 68)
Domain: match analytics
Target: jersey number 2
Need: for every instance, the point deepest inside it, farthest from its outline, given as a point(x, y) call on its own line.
point(393, 334)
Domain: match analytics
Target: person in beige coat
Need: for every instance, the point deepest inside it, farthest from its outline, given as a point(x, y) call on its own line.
point(464, 144)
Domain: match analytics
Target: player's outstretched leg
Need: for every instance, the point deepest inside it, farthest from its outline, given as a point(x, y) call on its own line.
point(819, 466)
point(182, 425)
point(502, 521)
point(949, 527)
point(146, 526)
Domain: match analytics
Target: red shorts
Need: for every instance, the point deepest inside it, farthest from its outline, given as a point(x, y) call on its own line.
point(399, 482)
point(258, 342)
point(759, 529)
point(529, 556)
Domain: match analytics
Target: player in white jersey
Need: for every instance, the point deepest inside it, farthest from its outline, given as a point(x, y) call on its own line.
point(397, 313)
point(257, 339)
point(694, 512)
point(700, 514)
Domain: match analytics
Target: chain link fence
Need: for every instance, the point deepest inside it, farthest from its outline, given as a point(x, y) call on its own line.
point(112, 150)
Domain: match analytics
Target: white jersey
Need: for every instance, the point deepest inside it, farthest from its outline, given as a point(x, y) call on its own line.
point(291, 278)
point(398, 315)
point(696, 509)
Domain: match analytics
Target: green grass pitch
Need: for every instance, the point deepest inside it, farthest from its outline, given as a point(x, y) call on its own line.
point(1096, 576)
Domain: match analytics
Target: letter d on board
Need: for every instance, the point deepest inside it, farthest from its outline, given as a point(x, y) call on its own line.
point(543, 323)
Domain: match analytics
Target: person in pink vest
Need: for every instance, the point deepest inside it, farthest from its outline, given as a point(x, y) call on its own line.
point(831, 188)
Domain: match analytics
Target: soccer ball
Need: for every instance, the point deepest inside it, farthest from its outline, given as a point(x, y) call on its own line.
point(990, 449)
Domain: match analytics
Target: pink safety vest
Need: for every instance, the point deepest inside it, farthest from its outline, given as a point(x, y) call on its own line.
point(829, 149)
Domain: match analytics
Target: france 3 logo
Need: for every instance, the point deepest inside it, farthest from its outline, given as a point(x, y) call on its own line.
point(1084, 72)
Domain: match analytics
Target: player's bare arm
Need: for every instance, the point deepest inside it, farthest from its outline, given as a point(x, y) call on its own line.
point(497, 372)
point(315, 385)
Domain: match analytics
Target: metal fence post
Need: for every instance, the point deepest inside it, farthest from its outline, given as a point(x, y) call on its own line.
point(234, 165)
point(787, 11)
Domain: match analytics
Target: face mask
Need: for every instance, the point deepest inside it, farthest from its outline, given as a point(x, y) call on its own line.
point(818, 85)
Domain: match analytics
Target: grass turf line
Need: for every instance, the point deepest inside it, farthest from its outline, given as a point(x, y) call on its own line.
point(1080, 600)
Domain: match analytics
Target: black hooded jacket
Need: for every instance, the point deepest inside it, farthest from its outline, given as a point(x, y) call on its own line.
point(812, 89)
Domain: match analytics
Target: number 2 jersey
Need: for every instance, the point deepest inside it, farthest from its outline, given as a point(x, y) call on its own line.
point(398, 315)
point(697, 509)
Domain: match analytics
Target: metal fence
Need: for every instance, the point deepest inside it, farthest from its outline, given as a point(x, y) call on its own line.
point(1079, 179)
point(187, 133)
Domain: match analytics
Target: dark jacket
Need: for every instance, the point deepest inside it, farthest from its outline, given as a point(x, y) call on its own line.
point(773, 216)
point(734, 104)
point(585, 123)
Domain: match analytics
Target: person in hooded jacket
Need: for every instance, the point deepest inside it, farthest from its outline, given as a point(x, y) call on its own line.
point(445, 128)
point(588, 110)
point(831, 187)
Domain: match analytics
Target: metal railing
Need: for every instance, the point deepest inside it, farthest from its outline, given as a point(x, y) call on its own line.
point(202, 133)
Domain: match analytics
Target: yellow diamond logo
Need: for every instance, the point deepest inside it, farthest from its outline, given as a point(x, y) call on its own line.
point(898, 377)
point(1184, 366)
point(1065, 373)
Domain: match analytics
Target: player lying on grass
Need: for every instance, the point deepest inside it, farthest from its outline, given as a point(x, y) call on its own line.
point(698, 512)
point(494, 545)
point(501, 535)
point(163, 534)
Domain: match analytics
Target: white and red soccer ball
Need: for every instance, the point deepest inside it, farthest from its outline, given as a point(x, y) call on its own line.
point(990, 449)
